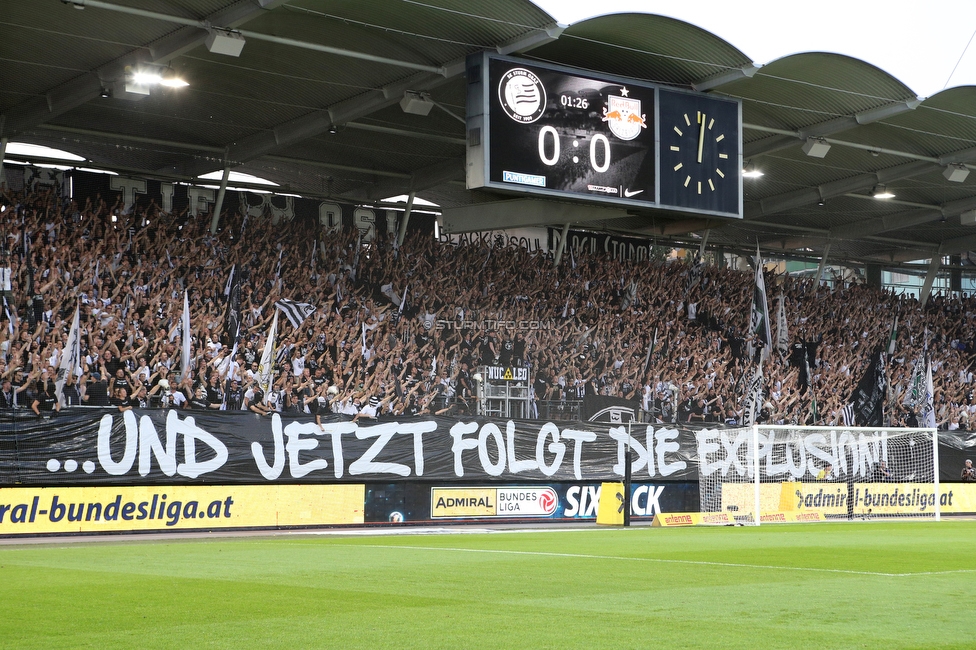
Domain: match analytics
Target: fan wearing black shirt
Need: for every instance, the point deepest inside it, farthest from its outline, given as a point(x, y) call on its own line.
point(234, 396)
point(45, 399)
point(120, 398)
point(98, 391)
point(200, 401)
point(318, 404)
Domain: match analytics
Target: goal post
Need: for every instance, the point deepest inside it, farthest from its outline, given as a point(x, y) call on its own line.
point(819, 473)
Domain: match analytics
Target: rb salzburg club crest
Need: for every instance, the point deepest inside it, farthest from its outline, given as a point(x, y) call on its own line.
point(623, 115)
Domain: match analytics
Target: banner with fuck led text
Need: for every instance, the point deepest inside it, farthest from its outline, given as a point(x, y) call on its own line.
point(171, 447)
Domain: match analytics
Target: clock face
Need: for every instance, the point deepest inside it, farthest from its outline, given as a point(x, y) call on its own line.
point(699, 152)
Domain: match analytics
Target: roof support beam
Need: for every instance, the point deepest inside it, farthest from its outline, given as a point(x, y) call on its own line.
point(820, 269)
point(88, 86)
point(681, 227)
point(519, 213)
point(532, 40)
point(830, 127)
point(812, 195)
point(561, 248)
point(958, 245)
point(930, 277)
point(420, 180)
point(313, 124)
point(890, 222)
point(726, 77)
point(371, 101)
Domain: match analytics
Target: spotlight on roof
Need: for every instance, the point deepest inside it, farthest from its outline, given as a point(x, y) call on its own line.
point(956, 173)
point(750, 171)
point(333, 129)
point(170, 79)
point(815, 147)
point(881, 192)
point(224, 41)
point(416, 103)
point(146, 77)
point(139, 80)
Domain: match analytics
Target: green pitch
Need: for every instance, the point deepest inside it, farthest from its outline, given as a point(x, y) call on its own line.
point(862, 585)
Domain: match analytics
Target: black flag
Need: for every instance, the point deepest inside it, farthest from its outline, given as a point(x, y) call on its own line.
point(869, 396)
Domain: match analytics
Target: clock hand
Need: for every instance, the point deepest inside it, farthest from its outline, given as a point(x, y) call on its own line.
point(701, 137)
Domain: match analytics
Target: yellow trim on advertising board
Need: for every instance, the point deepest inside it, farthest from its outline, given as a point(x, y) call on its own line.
point(177, 507)
point(830, 498)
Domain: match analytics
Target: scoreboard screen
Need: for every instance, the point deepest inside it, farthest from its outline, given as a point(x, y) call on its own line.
point(546, 130)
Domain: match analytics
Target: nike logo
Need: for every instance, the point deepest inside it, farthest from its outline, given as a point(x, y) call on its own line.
point(629, 193)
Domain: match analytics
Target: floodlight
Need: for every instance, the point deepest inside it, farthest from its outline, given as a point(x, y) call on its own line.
point(750, 171)
point(172, 80)
point(956, 173)
point(416, 103)
point(815, 147)
point(881, 192)
point(224, 41)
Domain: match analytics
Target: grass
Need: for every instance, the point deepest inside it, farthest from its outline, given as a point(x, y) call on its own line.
point(863, 585)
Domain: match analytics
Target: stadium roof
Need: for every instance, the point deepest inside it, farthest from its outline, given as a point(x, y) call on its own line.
point(312, 101)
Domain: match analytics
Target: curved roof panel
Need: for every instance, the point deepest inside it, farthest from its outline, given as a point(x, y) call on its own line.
point(813, 87)
point(646, 46)
point(272, 109)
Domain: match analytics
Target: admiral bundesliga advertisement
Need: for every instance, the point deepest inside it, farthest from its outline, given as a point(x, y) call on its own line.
point(569, 133)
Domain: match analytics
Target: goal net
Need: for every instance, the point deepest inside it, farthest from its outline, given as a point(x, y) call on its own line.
point(818, 473)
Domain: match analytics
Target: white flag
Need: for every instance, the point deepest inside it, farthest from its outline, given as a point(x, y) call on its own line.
point(759, 319)
point(224, 366)
point(70, 358)
point(928, 406)
point(266, 369)
point(230, 280)
point(893, 337)
point(754, 397)
point(782, 334)
point(185, 356)
point(915, 393)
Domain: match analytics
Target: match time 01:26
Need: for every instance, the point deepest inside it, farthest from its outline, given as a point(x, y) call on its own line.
point(568, 101)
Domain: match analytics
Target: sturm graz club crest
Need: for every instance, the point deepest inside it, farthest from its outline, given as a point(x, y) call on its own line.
point(623, 115)
point(522, 95)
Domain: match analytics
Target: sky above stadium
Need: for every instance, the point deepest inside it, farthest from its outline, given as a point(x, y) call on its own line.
point(918, 42)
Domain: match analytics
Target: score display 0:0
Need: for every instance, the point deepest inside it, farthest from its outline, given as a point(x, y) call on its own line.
point(596, 138)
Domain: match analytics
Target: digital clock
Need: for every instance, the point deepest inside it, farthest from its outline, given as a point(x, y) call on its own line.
point(556, 133)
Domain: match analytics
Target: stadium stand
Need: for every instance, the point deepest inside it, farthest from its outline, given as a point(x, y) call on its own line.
point(366, 354)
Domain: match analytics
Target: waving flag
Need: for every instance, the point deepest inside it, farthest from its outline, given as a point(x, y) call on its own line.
point(185, 356)
point(70, 357)
point(266, 369)
point(759, 320)
point(782, 333)
point(295, 312)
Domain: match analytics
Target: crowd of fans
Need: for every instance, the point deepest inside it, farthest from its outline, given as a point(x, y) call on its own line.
point(404, 330)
